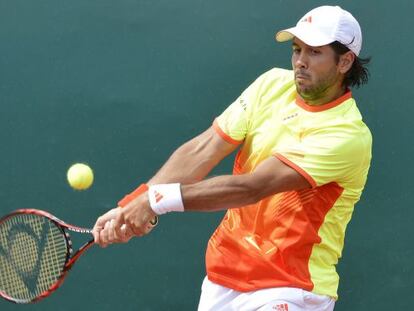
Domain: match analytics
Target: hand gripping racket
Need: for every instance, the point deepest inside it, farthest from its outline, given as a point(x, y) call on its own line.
point(35, 254)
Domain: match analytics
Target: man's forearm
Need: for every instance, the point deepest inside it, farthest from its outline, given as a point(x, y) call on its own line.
point(184, 166)
point(220, 193)
point(194, 160)
point(223, 192)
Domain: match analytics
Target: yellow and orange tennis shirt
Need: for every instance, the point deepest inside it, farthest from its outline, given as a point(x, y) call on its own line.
point(291, 239)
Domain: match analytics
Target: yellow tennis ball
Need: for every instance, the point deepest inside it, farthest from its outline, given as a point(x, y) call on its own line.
point(80, 176)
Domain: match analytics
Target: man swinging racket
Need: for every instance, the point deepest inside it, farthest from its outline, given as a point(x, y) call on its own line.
point(302, 165)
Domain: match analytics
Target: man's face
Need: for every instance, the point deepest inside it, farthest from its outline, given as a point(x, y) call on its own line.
point(316, 70)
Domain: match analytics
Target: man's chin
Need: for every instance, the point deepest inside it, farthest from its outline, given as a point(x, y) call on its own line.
point(304, 92)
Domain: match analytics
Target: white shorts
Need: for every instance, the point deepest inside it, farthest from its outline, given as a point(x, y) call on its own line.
point(215, 297)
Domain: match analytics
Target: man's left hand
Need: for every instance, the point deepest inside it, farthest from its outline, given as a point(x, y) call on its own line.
point(119, 225)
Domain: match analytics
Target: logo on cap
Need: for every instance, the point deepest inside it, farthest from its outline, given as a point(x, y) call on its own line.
point(281, 307)
point(307, 19)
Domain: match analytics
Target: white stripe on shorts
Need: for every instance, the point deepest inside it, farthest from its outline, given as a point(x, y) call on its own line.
point(215, 297)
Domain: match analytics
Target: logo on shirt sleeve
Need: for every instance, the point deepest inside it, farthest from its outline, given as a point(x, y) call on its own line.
point(243, 104)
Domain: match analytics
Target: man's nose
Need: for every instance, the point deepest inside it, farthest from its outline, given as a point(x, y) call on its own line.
point(300, 61)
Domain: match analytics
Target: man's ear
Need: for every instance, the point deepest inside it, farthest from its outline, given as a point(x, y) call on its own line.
point(345, 62)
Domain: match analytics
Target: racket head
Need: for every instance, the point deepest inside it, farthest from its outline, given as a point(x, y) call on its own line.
point(34, 255)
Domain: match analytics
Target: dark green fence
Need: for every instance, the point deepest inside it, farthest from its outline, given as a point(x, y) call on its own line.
point(120, 84)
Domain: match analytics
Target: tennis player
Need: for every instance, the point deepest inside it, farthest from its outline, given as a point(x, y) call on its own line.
point(303, 159)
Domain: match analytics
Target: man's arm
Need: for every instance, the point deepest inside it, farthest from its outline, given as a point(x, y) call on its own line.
point(223, 192)
point(217, 193)
point(188, 164)
point(194, 160)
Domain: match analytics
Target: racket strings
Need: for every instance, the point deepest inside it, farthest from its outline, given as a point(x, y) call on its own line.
point(33, 252)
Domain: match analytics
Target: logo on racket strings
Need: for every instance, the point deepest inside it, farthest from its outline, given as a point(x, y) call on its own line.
point(22, 259)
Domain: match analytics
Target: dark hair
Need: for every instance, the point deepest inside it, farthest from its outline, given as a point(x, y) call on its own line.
point(358, 74)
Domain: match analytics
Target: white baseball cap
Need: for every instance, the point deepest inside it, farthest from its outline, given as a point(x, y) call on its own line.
point(324, 25)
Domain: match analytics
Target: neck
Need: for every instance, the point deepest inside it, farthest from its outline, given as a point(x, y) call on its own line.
point(328, 96)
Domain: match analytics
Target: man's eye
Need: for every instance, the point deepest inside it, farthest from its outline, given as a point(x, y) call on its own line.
point(313, 51)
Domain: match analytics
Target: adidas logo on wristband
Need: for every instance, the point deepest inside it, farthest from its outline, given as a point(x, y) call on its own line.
point(165, 198)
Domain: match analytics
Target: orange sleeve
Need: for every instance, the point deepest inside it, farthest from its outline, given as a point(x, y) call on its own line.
point(298, 169)
point(223, 135)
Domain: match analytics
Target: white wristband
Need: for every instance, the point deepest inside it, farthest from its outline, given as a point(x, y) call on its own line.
point(165, 198)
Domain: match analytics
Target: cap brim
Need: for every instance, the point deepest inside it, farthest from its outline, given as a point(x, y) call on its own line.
point(310, 35)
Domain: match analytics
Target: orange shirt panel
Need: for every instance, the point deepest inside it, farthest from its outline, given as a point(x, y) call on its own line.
point(269, 244)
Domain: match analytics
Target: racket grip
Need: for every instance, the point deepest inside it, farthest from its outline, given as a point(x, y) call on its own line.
point(133, 195)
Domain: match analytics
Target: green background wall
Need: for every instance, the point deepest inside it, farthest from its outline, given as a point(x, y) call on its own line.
point(120, 84)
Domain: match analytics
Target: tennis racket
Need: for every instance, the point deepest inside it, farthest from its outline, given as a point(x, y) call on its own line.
point(36, 253)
